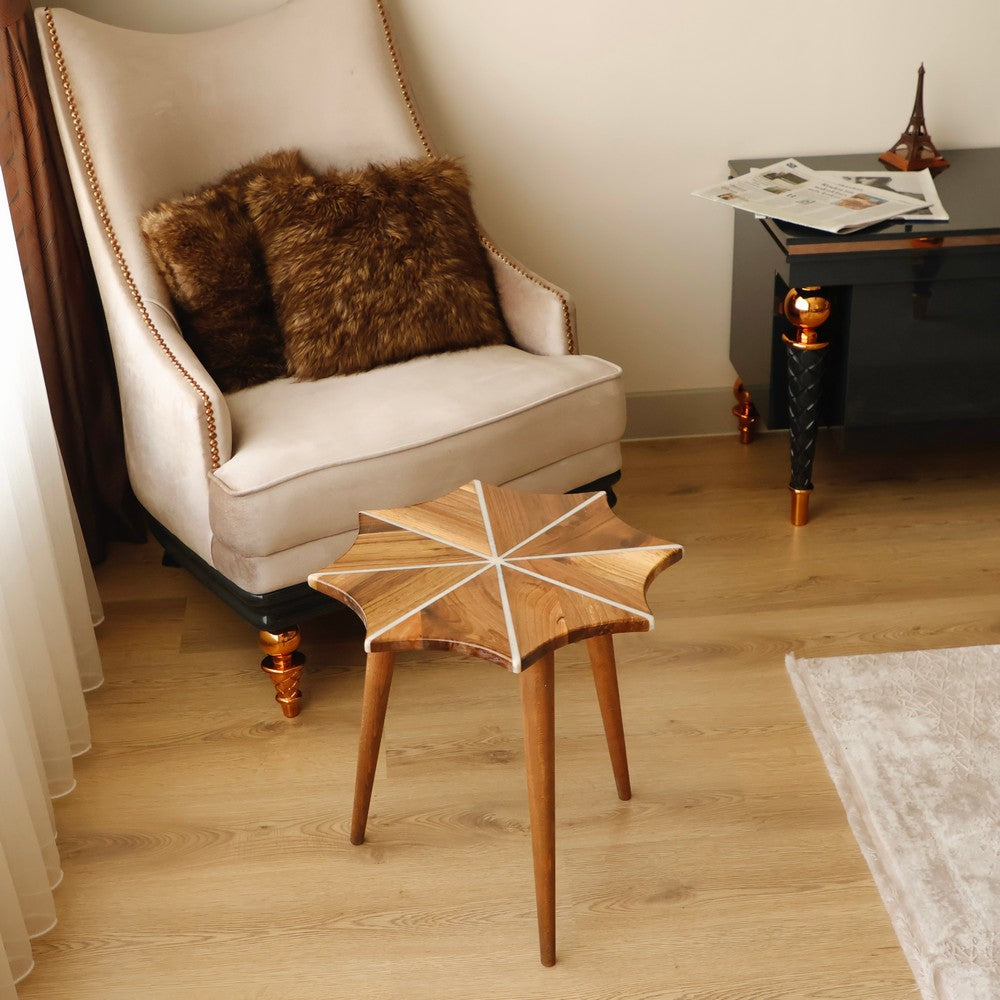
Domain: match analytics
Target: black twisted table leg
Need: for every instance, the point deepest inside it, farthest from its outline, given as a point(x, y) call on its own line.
point(808, 309)
point(805, 383)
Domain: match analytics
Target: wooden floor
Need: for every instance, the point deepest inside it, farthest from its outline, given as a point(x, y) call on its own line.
point(206, 851)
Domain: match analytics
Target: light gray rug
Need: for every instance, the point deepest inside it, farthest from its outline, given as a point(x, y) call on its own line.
point(912, 741)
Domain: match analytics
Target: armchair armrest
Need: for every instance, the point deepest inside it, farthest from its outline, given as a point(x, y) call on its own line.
point(541, 317)
point(166, 403)
point(188, 370)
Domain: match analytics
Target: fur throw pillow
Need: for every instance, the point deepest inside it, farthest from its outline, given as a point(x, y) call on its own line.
point(373, 266)
point(207, 250)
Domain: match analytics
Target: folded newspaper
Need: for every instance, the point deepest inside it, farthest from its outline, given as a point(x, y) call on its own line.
point(829, 200)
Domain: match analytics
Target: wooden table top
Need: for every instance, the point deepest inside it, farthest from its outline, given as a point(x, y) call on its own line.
point(498, 573)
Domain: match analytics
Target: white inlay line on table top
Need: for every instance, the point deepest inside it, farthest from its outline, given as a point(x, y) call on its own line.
point(552, 524)
point(486, 517)
point(395, 569)
point(583, 593)
point(426, 604)
point(515, 649)
point(601, 552)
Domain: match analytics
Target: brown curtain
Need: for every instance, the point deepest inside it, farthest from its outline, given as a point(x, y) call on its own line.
point(62, 292)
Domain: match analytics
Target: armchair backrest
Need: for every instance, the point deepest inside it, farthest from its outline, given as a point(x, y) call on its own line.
point(149, 116)
point(164, 113)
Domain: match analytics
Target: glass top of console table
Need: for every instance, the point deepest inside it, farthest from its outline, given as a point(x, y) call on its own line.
point(969, 189)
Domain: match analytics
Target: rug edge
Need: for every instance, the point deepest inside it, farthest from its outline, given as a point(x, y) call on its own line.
point(850, 798)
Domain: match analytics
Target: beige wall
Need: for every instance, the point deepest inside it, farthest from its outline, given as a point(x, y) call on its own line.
point(586, 123)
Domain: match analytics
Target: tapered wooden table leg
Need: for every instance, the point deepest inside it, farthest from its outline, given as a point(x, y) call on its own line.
point(378, 678)
point(538, 704)
point(602, 660)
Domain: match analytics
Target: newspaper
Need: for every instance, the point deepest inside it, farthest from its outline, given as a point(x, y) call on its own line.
point(792, 192)
point(916, 184)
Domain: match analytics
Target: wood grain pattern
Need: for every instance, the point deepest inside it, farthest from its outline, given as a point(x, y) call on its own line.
point(206, 849)
point(383, 598)
point(455, 518)
point(387, 545)
point(593, 527)
point(604, 575)
point(538, 709)
point(378, 680)
point(512, 523)
point(553, 570)
point(602, 662)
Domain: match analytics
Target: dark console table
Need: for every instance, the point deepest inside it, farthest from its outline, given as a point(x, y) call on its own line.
point(903, 318)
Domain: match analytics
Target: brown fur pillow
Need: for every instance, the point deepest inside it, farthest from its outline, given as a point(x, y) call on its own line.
point(374, 266)
point(207, 250)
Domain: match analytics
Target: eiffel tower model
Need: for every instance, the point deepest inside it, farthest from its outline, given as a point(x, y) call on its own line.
point(914, 149)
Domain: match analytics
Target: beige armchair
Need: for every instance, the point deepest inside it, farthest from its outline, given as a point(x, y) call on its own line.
point(255, 489)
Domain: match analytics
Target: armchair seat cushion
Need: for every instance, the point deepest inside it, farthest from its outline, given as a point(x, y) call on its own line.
point(308, 456)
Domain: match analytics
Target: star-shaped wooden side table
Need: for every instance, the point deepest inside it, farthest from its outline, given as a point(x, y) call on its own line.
point(509, 577)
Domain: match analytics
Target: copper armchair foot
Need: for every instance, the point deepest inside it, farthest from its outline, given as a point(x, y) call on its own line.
point(283, 664)
point(744, 411)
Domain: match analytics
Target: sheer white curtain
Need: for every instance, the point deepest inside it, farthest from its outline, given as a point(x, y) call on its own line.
point(48, 653)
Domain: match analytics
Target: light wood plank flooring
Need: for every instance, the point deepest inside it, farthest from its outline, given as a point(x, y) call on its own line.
point(206, 851)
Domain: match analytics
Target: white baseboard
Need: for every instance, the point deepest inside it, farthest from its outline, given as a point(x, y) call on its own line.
point(680, 413)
